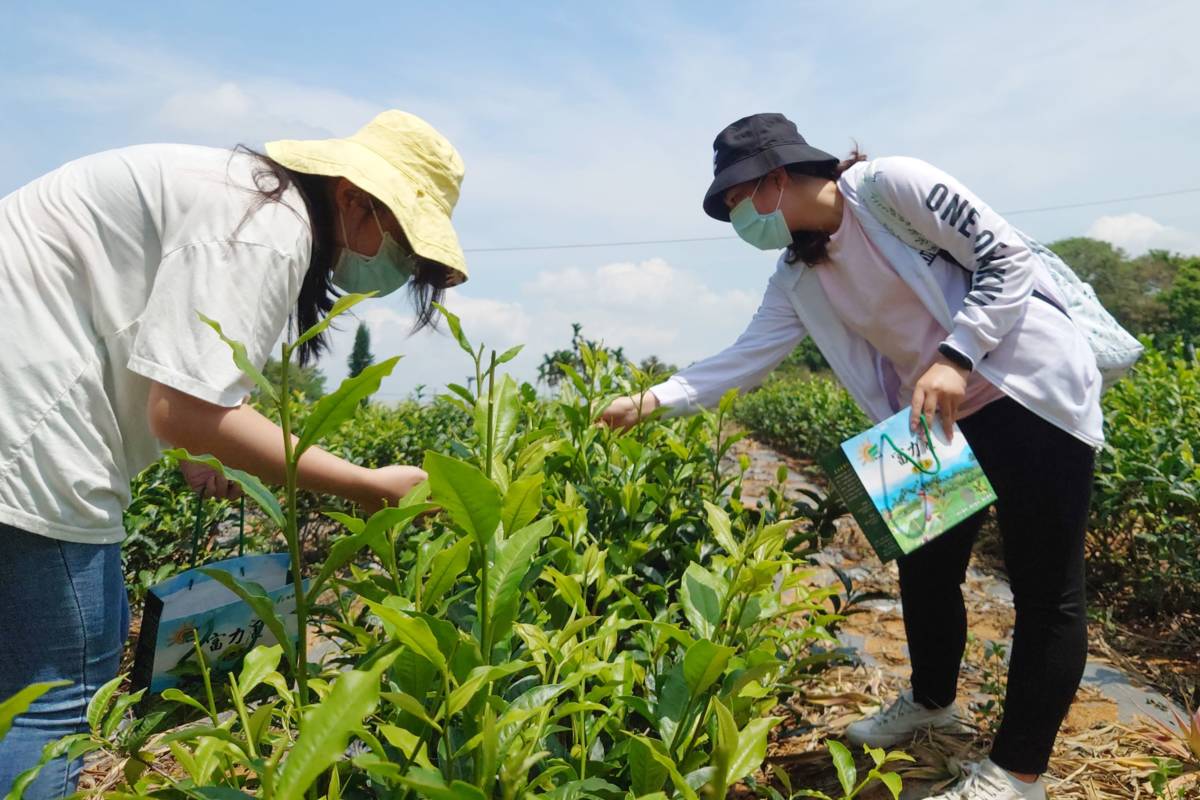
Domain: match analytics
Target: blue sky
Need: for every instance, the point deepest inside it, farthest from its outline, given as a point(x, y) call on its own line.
point(594, 122)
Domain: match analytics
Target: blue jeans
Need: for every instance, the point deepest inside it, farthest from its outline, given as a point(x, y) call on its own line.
point(64, 615)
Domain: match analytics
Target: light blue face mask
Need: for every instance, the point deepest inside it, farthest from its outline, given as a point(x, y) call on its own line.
point(764, 231)
point(383, 273)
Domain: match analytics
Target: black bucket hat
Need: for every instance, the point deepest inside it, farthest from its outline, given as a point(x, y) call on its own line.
point(752, 147)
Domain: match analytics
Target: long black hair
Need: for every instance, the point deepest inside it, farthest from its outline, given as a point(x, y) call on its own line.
point(317, 292)
point(811, 247)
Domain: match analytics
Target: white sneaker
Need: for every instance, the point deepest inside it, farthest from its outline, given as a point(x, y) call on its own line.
point(899, 721)
point(986, 781)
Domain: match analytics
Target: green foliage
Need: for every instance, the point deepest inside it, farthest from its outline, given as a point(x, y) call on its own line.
point(360, 355)
point(308, 381)
point(806, 358)
point(555, 365)
point(1134, 290)
point(806, 417)
point(1183, 304)
point(1144, 544)
point(592, 613)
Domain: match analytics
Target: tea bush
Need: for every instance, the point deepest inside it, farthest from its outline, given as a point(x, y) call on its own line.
point(1144, 544)
point(583, 614)
point(804, 417)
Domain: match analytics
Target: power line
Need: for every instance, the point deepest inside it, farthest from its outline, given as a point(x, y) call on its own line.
point(1101, 202)
point(639, 242)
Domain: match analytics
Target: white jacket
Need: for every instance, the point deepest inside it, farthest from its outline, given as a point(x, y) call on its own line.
point(1023, 345)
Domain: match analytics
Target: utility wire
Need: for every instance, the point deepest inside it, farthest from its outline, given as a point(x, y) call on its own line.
point(638, 242)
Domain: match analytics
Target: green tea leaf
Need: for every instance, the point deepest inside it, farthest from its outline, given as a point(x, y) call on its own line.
point(506, 411)
point(333, 409)
point(412, 632)
point(522, 502)
point(411, 705)
point(177, 696)
point(672, 701)
point(844, 763)
point(471, 500)
point(343, 304)
point(480, 676)
point(242, 359)
point(430, 784)
point(718, 521)
point(444, 571)
point(703, 665)
point(891, 780)
point(509, 354)
point(752, 747)
point(456, 328)
point(260, 720)
point(514, 557)
point(681, 784)
point(258, 664)
point(701, 594)
point(327, 727)
point(255, 489)
point(372, 534)
point(645, 772)
point(353, 524)
point(20, 702)
point(96, 708)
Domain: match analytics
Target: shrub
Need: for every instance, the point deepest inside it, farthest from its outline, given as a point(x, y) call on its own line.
point(802, 417)
point(1144, 544)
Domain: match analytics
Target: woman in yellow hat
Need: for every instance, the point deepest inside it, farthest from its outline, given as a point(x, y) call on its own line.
point(105, 263)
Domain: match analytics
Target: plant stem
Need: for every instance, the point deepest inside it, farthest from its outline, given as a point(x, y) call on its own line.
point(291, 532)
point(204, 673)
point(240, 703)
point(489, 444)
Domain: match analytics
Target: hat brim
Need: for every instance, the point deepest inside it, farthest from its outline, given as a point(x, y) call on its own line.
point(754, 167)
point(425, 222)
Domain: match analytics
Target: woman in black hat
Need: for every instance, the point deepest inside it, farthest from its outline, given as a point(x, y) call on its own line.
point(919, 295)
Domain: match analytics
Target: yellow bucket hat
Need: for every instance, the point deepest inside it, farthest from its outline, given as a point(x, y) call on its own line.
point(402, 161)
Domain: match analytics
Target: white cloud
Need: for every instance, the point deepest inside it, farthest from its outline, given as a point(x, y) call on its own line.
point(648, 307)
point(1137, 233)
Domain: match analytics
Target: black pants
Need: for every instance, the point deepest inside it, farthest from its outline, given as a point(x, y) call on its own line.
point(1043, 479)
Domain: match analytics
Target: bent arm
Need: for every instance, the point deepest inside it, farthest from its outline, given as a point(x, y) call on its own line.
point(242, 438)
point(771, 335)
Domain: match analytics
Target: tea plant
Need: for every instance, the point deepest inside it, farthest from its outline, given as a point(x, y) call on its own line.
point(1145, 527)
point(805, 417)
point(589, 615)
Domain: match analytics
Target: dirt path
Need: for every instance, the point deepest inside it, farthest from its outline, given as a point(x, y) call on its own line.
point(1107, 744)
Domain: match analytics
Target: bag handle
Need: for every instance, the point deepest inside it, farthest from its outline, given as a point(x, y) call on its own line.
point(198, 527)
point(932, 451)
point(917, 465)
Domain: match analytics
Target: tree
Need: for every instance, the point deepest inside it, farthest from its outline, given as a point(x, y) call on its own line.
point(360, 356)
point(1183, 304)
point(1132, 289)
point(551, 372)
point(655, 368)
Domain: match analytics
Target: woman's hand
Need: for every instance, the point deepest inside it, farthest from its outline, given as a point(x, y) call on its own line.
point(941, 388)
point(386, 485)
point(208, 481)
point(625, 412)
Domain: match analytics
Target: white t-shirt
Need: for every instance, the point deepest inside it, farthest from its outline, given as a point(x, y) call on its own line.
point(103, 265)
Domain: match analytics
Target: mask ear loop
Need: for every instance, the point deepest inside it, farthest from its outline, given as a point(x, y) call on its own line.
point(375, 214)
